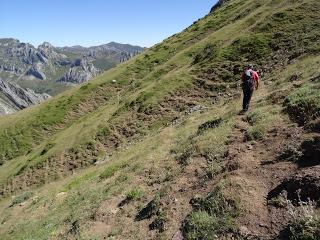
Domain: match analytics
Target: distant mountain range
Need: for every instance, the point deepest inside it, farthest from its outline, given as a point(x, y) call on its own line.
point(23, 63)
point(50, 70)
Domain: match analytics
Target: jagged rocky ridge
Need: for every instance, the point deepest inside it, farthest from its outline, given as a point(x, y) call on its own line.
point(50, 70)
point(80, 71)
point(14, 98)
point(73, 65)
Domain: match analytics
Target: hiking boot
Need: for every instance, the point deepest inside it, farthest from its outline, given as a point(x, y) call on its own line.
point(242, 112)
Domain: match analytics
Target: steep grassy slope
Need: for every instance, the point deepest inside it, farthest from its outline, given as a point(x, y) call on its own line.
point(161, 152)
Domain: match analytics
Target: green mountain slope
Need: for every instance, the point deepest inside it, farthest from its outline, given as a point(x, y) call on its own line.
point(154, 148)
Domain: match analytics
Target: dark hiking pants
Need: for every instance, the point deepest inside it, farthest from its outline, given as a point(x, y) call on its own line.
point(247, 94)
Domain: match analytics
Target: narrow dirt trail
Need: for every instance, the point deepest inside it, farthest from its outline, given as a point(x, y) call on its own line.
point(255, 177)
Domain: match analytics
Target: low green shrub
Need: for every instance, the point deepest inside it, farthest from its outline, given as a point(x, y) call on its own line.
point(306, 220)
point(290, 151)
point(21, 198)
point(212, 216)
point(201, 225)
point(257, 132)
point(214, 169)
point(303, 105)
point(208, 53)
point(135, 194)
point(254, 117)
point(306, 228)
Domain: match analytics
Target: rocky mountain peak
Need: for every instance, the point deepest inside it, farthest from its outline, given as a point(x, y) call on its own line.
point(46, 45)
point(8, 41)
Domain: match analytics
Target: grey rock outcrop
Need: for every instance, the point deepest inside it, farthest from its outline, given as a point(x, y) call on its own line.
point(36, 73)
point(17, 58)
point(81, 71)
point(13, 97)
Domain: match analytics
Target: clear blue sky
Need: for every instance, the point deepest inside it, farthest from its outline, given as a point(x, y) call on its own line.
point(94, 22)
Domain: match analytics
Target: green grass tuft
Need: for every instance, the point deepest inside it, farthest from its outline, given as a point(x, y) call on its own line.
point(21, 198)
point(134, 194)
point(212, 217)
point(303, 105)
point(305, 229)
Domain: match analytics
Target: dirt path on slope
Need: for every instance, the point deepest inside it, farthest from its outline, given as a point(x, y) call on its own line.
point(256, 178)
point(257, 174)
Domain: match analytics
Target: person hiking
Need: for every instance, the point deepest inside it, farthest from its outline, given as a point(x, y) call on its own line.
point(250, 81)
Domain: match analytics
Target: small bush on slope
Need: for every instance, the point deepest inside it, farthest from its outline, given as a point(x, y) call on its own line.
point(306, 223)
point(303, 105)
point(306, 229)
point(21, 198)
point(260, 120)
point(212, 216)
point(134, 194)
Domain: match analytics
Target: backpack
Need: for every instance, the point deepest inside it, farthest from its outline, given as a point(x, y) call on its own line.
point(248, 79)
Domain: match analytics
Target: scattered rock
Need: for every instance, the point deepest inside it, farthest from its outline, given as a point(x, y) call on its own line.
point(194, 109)
point(249, 147)
point(209, 125)
point(36, 73)
point(316, 78)
point(149, 210)
point(244, 231)
point(114, 211)
point(298, 84)
point(61, 195)
point(178, 236)
point(232, 165)
point(102, 160)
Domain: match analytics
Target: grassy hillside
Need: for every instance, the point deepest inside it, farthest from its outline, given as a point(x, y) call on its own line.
point(161, 153)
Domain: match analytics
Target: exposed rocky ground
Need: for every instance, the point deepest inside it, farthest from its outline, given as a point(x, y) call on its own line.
point(14, 98)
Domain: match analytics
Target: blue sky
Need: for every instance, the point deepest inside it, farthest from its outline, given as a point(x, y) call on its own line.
point(94, 22)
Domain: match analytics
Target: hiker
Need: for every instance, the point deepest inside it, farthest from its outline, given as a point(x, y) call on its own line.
point(250, 81)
